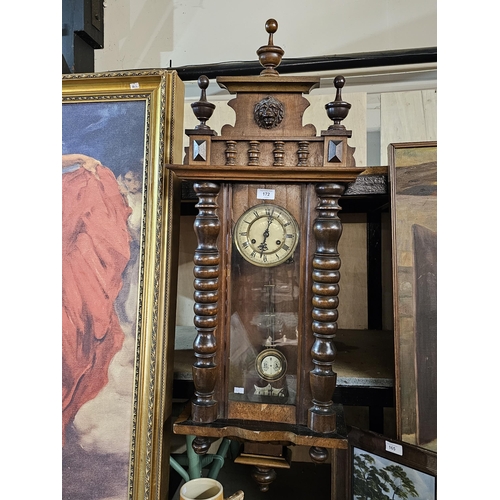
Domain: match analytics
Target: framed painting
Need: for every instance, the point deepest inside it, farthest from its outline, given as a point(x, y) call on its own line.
point(383, 468)
point(413, 186)
point(119, 274)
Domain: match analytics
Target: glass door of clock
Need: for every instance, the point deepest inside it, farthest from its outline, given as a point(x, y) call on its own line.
point(264, 329)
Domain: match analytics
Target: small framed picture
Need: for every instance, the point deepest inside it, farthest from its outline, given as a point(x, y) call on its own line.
point(382, 468)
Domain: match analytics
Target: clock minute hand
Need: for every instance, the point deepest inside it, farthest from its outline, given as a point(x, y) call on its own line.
point(263, 245)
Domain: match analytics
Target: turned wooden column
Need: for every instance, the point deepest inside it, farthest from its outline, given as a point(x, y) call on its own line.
point(206, 285)
point(325, 276)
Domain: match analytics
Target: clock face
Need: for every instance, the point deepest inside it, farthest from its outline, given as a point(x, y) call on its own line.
point(270, 364)
point(266, 235)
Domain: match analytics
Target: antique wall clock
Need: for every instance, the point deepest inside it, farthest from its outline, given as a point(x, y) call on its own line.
point(266, 268)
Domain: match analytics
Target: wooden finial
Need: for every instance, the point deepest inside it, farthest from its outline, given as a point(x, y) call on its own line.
point(271, 28)
point(338, 109)
point(203, 109)
point(270, 55)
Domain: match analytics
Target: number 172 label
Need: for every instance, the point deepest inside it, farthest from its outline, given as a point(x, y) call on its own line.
point(265, 194)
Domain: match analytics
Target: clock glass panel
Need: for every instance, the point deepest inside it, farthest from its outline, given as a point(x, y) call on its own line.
point(264, 297)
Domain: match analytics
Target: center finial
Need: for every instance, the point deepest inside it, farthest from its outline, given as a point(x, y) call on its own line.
point(270, 55)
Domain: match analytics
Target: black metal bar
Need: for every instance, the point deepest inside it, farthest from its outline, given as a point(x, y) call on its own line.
point(376, 419)
point(313, 64)
point(374, 271)
point(364, 396)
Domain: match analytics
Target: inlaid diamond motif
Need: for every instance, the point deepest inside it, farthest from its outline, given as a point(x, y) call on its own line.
point(199, 150)
point(335, 151)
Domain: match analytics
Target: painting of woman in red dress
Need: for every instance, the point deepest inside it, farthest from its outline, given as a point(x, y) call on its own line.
point(102, 190)
point(95, 252)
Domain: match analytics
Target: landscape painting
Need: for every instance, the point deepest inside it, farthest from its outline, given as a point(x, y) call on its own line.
point(379, 468)
point(413, 180)
point(378, 478)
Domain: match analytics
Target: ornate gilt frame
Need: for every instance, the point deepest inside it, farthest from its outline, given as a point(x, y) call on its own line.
point(163, 94)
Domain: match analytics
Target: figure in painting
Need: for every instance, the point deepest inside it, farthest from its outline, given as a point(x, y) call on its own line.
point(95, 252)
point(130, 185)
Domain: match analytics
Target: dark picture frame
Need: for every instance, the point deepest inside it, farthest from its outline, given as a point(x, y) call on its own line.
point(120, 244)
point(413, 187)
point(382, 468)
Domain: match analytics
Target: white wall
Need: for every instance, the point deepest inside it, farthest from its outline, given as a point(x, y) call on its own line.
point(140, 34)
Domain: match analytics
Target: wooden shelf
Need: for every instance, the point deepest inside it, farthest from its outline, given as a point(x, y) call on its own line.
point(264, 432)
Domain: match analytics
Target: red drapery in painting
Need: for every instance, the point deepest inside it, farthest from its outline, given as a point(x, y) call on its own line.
point(95, 251)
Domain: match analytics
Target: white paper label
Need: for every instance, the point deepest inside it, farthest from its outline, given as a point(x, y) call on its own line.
point(239, 390)
point(394, 448)
point(134, 85)
point(265, 194)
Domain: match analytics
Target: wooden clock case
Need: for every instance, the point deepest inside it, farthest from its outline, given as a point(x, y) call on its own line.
point(268, 148)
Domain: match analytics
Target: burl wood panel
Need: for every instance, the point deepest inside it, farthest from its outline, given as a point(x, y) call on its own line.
point(262, 411)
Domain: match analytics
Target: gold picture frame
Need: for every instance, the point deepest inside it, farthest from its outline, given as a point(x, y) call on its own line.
point(120, 244)
point(413, 185)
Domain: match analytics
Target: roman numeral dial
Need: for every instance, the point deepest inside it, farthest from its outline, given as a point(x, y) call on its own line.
point(266, 235)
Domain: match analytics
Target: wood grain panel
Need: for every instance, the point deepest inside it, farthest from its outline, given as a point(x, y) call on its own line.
point(314, 114)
